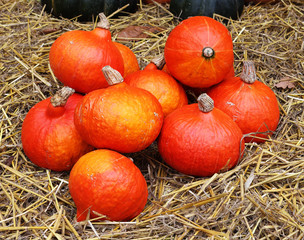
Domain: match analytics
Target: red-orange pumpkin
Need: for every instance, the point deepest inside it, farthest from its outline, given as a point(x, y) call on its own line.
point(120, 117)
point(107, 185)
point(200, 140)
point(199, 52)
point(165, 88)
point(130, 61)
point(77, 57)
point(48, 134)
point(251, 103)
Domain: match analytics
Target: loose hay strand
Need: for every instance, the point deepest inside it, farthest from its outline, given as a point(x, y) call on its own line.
point(261, 198)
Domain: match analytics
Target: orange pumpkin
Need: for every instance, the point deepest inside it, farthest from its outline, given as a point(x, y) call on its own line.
point(107, 185)
point(251, 104)
point(49, 137)
point(165, 88)
point(120, 117)
point(199, 52)
point(200, 140)
point(130, 61)
point(77, 57)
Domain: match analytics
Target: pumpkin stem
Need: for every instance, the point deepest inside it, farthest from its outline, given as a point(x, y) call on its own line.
point(112, 76)
point(103, 22)
point(205, 103)
point(248, 74)
point(208, 52)
point(61, 96)
point(159, 61)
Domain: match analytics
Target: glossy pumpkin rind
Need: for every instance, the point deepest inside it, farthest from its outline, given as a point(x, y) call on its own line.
point(187, 8)
point(198, 143)
point(49, 137)
point(120, 117)
point(129, 58)
point(77, 57)
point(106, 183)
point(184, 50)
point(165, 88)
point(87, 10)
point(253, 106)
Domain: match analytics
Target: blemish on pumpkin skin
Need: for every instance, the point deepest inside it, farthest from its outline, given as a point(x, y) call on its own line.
point(71, 42)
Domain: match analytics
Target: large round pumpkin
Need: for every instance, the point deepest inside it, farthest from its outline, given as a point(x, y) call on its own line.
point(120, 117)
point(187, 8)
point(199, 52)
point(200, 140)
point(107, 185)
point(250, 103)
point(87, 9)
point(49, 137)
point(77, 57)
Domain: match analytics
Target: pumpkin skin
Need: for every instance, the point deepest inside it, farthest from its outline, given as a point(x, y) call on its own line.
point(130, 61)
point(200, 143)
point(88, 9)
point(199, 52)
point(104, 182)
point(252, 105)
point(165, 88)
point(77, 57)
point(121, 117)
point(49, 137)
point(187, 8)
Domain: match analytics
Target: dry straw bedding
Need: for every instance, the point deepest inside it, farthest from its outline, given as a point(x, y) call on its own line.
point(261, 198)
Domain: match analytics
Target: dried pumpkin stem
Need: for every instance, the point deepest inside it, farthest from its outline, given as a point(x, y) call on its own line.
point(103, 22)
point(112, 76)
point(205, 103)
point(208, 52)
point(61, 96)
point(159, 61)
point(248, 74)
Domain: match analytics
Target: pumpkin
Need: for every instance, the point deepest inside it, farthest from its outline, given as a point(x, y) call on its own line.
point(187, 8)
point(107, 185)
point(165, 88)
point(49, 137)
point(87, 9)
point(200, 140)
point(251, 103)
point(199, 52)
point(130, 61)
point(77, 57)
point(121, 117)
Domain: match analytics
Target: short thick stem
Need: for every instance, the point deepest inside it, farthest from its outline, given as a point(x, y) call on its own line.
point(112, 76)
point(205, 103)
point(103, 22)
point(248, 74)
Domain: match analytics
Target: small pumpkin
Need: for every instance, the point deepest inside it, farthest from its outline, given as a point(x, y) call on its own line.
point(165, 88)
point(199, 52)
point(130, 60)
point(121, 117)
point(200, 140)
point(49, 137)
point(188, 8)
point(251, 103)
point(77, 57)
point(87, 10)
point(107, 185)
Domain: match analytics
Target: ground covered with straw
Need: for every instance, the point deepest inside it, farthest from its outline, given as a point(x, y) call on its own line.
point(261, 198)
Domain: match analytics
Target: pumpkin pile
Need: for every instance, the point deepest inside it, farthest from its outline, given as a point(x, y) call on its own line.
point(119, 108)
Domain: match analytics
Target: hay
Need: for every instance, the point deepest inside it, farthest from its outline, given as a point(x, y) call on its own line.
point(261, 198)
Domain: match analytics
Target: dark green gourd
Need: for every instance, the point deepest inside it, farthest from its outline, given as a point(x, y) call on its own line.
point(227, 8)
point(87, 8)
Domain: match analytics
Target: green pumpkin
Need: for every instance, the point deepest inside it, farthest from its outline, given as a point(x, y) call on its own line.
point(87, 8)
point(187, 8)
